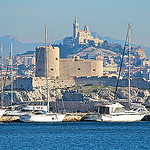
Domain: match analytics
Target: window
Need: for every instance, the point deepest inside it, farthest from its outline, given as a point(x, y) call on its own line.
point(39, 69)
point(94, 69)
point(78, 68)
point(52, 69)
point(56, 58)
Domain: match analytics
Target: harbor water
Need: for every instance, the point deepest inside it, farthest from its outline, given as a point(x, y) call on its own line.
point(75, 135)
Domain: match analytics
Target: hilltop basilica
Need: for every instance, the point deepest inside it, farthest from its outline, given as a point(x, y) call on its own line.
point(81, 37)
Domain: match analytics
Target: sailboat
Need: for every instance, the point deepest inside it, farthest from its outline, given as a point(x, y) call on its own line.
point(115, 112)
point(41, 116)
point(11, 110)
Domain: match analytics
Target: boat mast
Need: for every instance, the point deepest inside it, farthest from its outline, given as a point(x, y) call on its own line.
point(129, 78)
point(47, 68)
point(1, 76)
point(11, 57)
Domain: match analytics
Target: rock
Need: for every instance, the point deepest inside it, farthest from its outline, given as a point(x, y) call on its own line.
point(9, 118)
point(72, 118)
point(122, 94)
point(141, 52)
point(147, 100)
point(143, 93)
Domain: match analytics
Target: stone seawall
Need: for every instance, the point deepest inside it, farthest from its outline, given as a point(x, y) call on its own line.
point(28, 84)
point(112, 81)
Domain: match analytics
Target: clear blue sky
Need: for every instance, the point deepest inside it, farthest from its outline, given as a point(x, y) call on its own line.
point(25, 19)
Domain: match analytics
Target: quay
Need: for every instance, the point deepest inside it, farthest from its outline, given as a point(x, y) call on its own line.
point(70, 117)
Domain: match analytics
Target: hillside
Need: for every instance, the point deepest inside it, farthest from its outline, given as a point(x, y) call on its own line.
point(121, 42)
point(20, 48)
point(91, 51)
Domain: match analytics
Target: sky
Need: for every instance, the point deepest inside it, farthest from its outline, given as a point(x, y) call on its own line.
point(25, 19)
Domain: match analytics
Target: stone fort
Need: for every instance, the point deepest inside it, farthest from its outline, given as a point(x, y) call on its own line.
point(63, 73)
point(65, 68)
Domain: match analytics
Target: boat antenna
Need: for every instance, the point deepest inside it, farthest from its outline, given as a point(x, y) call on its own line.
point(121, 64)
point(1, 76)
point(11, 57)
point(129, 78)
point(47, 68)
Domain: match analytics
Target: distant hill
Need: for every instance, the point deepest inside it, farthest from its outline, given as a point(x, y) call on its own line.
point(113, 40)
point(20, 48)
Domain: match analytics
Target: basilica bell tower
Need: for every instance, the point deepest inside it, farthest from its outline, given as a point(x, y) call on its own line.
point(75, 28)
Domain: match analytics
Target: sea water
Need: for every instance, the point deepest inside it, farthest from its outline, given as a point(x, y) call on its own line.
point(75, 135)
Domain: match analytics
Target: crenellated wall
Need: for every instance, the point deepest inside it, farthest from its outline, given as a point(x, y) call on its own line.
point(80, 67)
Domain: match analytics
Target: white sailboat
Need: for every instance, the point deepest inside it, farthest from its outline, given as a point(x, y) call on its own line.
point(115, 112)
point(11, 110)
point(40, 116)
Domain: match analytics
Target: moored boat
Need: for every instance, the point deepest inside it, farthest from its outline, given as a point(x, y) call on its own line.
point(42, 116)
point(117, 113)
point(14, 110)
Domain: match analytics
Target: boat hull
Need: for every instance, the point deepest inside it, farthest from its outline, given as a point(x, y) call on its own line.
point(120, 118)
point(2, 111)
point(42, 118)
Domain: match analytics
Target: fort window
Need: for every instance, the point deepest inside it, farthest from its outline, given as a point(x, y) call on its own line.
point(78, 68)
point(52, 69)
point(94, 69)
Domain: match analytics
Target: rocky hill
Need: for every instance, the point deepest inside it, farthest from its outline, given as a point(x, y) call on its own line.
point(88, 51)
point(76, 96)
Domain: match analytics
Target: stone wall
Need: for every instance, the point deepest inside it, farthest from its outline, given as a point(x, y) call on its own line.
point(28, 84)
point(80, 67)
point(73, 106)
point(112, 81)
point(53, 83)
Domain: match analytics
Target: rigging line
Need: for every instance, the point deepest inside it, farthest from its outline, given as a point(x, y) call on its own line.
point(52, 54)
point(1, 49)
point(40, 50)
point(7, 70)
point(132, 38)
point(121, 64)
point(54, 62)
